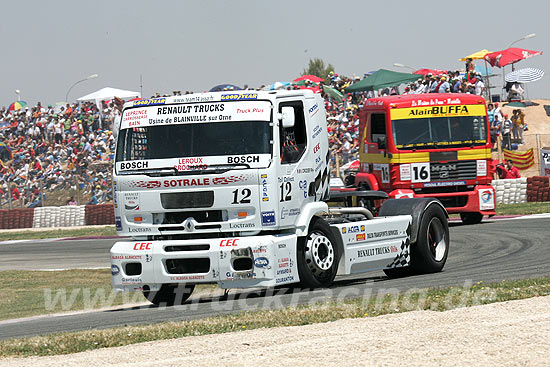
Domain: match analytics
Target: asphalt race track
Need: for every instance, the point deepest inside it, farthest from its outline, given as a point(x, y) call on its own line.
point(490, 251)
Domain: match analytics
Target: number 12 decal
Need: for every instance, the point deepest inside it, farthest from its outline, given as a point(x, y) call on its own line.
point(286, 188)
point(245, 193)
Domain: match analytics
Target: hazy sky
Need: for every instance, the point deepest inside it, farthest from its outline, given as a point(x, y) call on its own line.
point(194, 45)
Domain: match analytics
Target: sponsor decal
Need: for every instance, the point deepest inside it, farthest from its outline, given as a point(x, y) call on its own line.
point(148, 258)
point(188, 277)
point(240, 275)
point(130, 280)
point(133, 117)
point(133, 165)
point(481, 167)
point(268, 218)
point(243, 159)
point(316, 148)
point(182, 182)
point(263, 175)
point(199, 108)
point(150, 102)
point(115, 270)
point(389, 233)
point(284, 271)
point(285, 213)
point(131, 201)
point(250, 110)
point(376, 251)
point(138, 246)
point(486, 199)
point(355, 229)
point(282, 245)
point(283, 262)
point(265, 195)
point(316, 131)
point(444, 184)
point(343, 230)
point(304, 170)
point(261, 262)
point(260, 250)
point(229, 242)
point(437, 111)
point(126, 257)
point(239, 96)
point(241, 225)
point(287, 279)
point(118, 223)
point(314, 109)
point(360, 237)
point(139, 230)
point(404, 172)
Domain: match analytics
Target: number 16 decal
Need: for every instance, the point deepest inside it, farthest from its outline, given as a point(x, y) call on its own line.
point(420, 172)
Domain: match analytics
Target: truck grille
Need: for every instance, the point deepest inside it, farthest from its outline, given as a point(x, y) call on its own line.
point(453, 170)
point(185, 200)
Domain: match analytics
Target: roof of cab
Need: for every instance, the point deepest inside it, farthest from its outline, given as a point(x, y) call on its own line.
point(238, 95)
point(428, 99)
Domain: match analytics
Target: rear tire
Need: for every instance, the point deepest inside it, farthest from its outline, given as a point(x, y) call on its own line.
point(170, 294)
point(318, 256)
point(471, 218)
point(429, 253)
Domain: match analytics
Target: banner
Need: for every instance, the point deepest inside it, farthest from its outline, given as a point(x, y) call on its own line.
point(522, 160)
point(545, 161)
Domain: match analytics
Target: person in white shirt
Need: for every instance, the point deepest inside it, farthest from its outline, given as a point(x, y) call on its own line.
point(479, 87)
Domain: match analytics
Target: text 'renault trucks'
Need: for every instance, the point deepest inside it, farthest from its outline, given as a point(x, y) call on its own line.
point(429, 145)
point(231, 188)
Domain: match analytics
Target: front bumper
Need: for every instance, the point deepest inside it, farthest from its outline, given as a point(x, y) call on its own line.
point(239, 262)
point(481, 199)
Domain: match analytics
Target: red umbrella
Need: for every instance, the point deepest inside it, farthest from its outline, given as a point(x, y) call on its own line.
point(313, 78)
point(509, 56)
point(430, 71)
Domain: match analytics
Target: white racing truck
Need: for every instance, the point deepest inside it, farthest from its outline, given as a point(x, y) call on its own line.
point(232, 188)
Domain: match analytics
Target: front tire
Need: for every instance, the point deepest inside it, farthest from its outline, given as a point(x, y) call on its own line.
point(169, 294)
point(318, 256)
point(429, 253)
point(471, 218)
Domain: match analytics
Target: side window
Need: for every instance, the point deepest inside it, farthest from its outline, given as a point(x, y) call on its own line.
point(377, 126)
point(293, 139)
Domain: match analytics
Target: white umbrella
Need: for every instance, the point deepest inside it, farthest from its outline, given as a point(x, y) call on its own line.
point(524, 75)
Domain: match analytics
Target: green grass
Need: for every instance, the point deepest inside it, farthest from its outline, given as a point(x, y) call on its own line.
point(30, 293)
point(439, 299)
point(58, 233)
point(524, 208)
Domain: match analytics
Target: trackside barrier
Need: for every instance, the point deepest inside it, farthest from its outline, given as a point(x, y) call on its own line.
point(57, 216)
point(522, 190)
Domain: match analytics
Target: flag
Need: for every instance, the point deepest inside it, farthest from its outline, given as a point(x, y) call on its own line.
point(522, 160)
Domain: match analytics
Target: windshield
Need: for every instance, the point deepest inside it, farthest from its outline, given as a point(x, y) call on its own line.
point(436, 131)
point(195, 140)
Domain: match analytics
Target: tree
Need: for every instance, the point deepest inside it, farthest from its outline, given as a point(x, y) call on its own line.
point(317, 67)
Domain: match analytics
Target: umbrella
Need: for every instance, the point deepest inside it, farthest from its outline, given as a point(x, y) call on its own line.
point(222, 87)
point(313, 78)
point(381, 79)
point(524, 75)
point(430, 71)
point(509, 56)
point(476, 55)
point(278, 85)
point(17, 105)
point(333, 93)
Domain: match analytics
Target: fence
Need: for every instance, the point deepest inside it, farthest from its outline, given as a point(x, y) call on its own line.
point(522, 190)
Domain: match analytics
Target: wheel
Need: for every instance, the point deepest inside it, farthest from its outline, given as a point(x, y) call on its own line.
point(170, 294)
point(317, 255)
point(471, 218)
point(429, 253)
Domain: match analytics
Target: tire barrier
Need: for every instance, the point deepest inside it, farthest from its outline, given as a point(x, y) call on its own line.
point(57, 216)
point(510, 191)
point(538, 189)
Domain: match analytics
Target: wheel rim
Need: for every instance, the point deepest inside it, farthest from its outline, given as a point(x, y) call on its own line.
point(319, 253)
point(436, 239)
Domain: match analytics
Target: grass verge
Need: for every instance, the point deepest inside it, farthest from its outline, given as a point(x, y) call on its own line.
point(58, 233)
point(523, 208)
point(432, 299)
point(31, 293)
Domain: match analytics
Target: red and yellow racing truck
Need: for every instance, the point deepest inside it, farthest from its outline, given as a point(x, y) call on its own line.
point(429, 145)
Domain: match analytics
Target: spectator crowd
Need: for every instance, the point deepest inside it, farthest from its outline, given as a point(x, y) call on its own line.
point(71, 147)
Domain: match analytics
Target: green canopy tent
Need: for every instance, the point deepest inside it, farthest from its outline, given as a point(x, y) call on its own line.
point(333, 93)
point(382, 78)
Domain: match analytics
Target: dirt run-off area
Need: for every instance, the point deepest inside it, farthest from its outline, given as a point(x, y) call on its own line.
point(499, 334)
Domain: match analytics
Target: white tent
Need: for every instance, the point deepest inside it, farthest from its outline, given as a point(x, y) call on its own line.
point(109, 93)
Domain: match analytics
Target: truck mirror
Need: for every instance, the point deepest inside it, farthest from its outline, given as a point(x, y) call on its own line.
point(381, 141)
point(287, 117)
